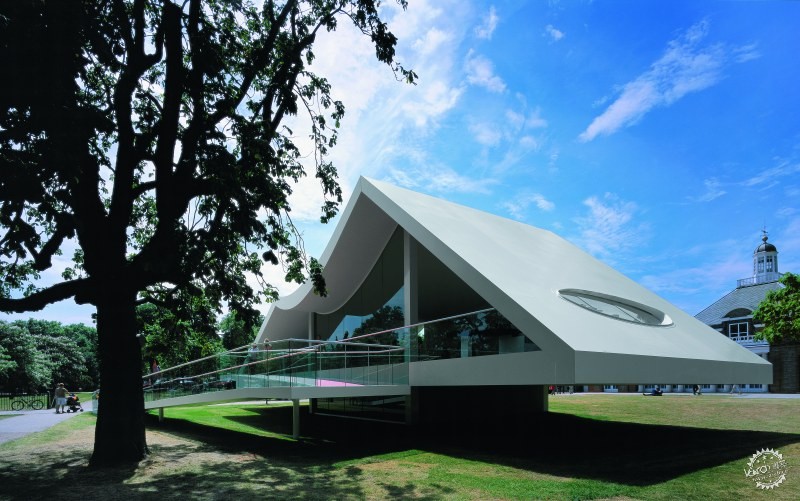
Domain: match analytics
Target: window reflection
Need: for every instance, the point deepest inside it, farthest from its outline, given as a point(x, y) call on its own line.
point(388, 316)
point(480, 334)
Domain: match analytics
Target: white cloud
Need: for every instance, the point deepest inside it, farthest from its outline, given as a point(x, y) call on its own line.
point(554, 34)
point(487, 27)
point(608, 228)
point(480, 72)
point(486, 134)
point(384, 117)
point(686, 66)
point(434, 101)
point(713, 191)
point(532, 121)
point(530, 143)
point(437, 178)
point(770, 176)
point(746, 53)
point(431, 41)
point(792, 191)
point(718, 275)
point(518, 206)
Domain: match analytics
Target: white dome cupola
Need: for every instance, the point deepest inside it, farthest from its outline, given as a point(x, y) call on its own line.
point(765, 262)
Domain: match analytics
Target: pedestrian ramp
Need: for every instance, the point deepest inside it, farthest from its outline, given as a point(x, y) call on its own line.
point(290, 369)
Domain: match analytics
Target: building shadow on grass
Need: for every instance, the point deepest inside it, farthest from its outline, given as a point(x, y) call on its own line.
point(626, 453)
point(227, 464)
point(558, 444)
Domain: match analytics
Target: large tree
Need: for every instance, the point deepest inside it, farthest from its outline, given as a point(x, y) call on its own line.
point(780, 312)
point(236, 331)
point(148, 139)
point(175, 335)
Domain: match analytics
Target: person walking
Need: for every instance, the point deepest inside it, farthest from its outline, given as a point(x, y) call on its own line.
point(60, 397)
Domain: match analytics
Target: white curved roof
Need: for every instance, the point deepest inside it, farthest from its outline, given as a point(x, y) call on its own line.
point(520, 270)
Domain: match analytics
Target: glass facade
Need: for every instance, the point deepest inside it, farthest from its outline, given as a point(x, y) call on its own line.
point(374, 408)
point(376, 306)
point(473, 335)
point(377, 310)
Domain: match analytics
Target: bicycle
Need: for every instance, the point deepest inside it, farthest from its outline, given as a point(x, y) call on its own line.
point(21, 402)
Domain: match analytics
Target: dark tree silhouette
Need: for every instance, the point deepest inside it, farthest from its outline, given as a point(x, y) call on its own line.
point(147, 139)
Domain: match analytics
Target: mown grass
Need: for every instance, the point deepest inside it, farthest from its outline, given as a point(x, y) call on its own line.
point(248, 419)
point(588, 447)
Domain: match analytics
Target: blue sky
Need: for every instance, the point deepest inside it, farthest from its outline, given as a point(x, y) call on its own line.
point(661, 137)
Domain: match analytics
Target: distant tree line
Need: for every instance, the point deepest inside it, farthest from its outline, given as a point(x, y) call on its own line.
point(37, 354)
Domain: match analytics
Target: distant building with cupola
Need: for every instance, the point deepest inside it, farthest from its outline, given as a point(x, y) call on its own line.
point(732, 316)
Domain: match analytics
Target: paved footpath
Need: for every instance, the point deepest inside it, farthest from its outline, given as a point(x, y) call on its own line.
point(24, 422)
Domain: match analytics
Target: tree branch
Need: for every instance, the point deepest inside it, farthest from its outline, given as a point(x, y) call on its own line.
point(225, 107)
point(42, 298)
point(169, 125)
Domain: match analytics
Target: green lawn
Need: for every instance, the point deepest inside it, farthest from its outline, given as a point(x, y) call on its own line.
point(588, 447)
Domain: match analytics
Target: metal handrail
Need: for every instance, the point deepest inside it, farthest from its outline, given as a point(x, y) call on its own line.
point(348, 341)
point(280, 351)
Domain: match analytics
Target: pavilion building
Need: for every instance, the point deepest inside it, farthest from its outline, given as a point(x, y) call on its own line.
point(492, 310)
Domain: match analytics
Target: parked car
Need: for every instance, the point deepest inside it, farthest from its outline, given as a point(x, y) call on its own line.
point(178, 385)
point(219, 384)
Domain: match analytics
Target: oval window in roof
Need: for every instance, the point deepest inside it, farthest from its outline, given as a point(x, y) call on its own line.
point(616, 307)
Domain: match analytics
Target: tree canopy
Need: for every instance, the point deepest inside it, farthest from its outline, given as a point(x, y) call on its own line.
point(41, 353)
point(175, 336)
point(780, 312)
point(147, 140)
point(238, 332)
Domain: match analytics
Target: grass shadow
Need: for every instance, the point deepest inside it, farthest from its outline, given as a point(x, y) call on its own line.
point(559, 444)
point(332, 459)
point(626, 453)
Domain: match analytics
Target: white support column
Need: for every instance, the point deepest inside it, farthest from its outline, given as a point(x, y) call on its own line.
point(410, 282)
point(410, 292)
point(312, 334)
point(295, 418)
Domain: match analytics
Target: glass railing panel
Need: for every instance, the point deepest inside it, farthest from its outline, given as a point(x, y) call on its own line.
point(380, 358)
point(292, 363)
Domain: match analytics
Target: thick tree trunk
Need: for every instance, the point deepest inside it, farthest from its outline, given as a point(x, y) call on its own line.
point(120, 434)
